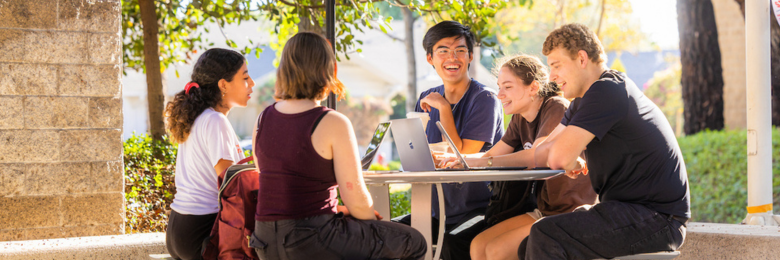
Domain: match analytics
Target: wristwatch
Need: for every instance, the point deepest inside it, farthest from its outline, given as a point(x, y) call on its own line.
point(490, 161)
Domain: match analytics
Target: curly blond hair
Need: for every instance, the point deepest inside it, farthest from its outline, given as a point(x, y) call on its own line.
point(574, 37)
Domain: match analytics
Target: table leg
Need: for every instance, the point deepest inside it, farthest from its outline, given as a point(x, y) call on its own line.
point(380, 194)
point(421, 212)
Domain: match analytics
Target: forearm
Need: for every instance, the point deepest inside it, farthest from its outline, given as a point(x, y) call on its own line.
point(360, 206)
point(560, 158)
point(524, 158)
point(519, 158)
point(541, 154)
point(222, 165)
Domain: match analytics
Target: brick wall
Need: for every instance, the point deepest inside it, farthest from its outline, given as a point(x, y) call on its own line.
point(731, 37)
point(60, 119)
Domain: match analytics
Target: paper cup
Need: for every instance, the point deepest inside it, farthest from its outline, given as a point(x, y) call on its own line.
point(422, 116)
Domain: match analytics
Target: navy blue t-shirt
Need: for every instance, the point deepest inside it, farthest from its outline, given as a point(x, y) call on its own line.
point(478, 116)
point(634, 156)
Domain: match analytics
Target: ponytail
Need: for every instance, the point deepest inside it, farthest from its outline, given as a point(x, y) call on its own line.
point(202, 92)
point(549, 89)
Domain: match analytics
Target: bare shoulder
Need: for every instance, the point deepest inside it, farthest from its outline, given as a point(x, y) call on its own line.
point(336, 121)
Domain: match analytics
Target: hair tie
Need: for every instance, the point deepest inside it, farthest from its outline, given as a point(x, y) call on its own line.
point(190, 85)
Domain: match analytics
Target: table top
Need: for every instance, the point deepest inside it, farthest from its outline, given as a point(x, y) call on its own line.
point(381, 177)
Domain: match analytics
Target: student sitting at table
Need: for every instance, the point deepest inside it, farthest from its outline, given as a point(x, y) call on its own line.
point(304, 152)
point(471, 114)
point(537, 108)
point(636, 164)
point(197, 121)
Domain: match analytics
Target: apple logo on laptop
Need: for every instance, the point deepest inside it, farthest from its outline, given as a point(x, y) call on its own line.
point(411, 146)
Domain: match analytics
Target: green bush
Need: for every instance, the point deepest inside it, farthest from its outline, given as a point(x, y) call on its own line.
point(149, 183)
point(394, 165)
point(717, 174)
point(400, 203)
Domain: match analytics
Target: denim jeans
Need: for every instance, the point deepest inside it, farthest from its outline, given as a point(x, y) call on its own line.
point(336, 237)
point(607, 230)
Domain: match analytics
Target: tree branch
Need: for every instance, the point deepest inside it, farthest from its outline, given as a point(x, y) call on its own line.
point(322, 6)
point(399, 4)
point(601, 17)
point(391, 36)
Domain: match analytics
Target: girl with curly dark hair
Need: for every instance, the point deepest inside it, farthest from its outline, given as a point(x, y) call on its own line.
point(197, 121)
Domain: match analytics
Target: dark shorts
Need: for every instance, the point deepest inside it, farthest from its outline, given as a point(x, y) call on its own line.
point(336, 237)
point(186, 233)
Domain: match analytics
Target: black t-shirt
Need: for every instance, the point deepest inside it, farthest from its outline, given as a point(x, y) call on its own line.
point(634, 156)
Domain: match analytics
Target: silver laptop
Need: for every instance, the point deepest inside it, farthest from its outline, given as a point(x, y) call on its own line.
point(373, 146)
point(412, 145)
point(463, 160)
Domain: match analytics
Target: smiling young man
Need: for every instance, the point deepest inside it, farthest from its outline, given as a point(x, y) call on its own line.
point(472, 116)
point(633, 159)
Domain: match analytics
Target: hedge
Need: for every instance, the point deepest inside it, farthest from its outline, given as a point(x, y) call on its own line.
point(149, 183)
point(717, 173)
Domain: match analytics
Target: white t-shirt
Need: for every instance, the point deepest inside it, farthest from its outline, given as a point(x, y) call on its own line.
point(211, 138)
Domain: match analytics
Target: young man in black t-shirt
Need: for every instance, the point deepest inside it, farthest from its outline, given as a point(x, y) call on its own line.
point(633, 160)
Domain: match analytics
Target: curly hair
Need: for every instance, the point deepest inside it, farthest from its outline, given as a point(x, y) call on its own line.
point(575, 37)
point(307, 69)
point(529, 69)
point(212, 66)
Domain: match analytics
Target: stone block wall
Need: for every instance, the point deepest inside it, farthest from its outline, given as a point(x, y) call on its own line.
point(731, 37)
point(60, 119)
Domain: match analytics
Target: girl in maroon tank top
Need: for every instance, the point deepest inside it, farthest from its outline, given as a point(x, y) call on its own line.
point(304, 152)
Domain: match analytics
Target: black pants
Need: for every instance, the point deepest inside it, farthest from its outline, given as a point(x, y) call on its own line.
point(607, 230)
point(457, 238)
point(186, 233)
point(328, 237)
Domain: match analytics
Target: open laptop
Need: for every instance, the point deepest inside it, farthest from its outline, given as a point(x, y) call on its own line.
point(373, 146)
point(412, 145)
point(463, 160)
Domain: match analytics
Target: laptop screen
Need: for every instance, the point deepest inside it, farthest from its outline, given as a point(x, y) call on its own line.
point(452, 145)
point(376, 140)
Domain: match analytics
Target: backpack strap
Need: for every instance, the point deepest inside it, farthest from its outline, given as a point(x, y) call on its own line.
point(232, 172)
point(245, 160)
point(233, 169)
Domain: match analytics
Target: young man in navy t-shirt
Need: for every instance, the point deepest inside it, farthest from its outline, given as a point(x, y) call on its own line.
point(633, 160)
point(472, 116)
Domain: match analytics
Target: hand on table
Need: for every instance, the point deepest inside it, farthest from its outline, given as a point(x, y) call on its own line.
point(449, 162)
point(440, 159)
point(581, 168)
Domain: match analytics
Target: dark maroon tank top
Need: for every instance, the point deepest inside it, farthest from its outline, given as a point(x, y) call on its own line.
point(295, 181)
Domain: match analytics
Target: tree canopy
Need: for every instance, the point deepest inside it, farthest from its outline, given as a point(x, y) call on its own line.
point(182, 23)
point(524, 29)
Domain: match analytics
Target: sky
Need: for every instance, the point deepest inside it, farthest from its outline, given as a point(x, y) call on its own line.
point(658, 19)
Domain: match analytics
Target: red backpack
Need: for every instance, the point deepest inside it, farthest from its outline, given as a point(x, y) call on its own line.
point(235, 223)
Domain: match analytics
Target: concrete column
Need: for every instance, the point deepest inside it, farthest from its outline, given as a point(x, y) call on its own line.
point(60, 119)
point(759, 112)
